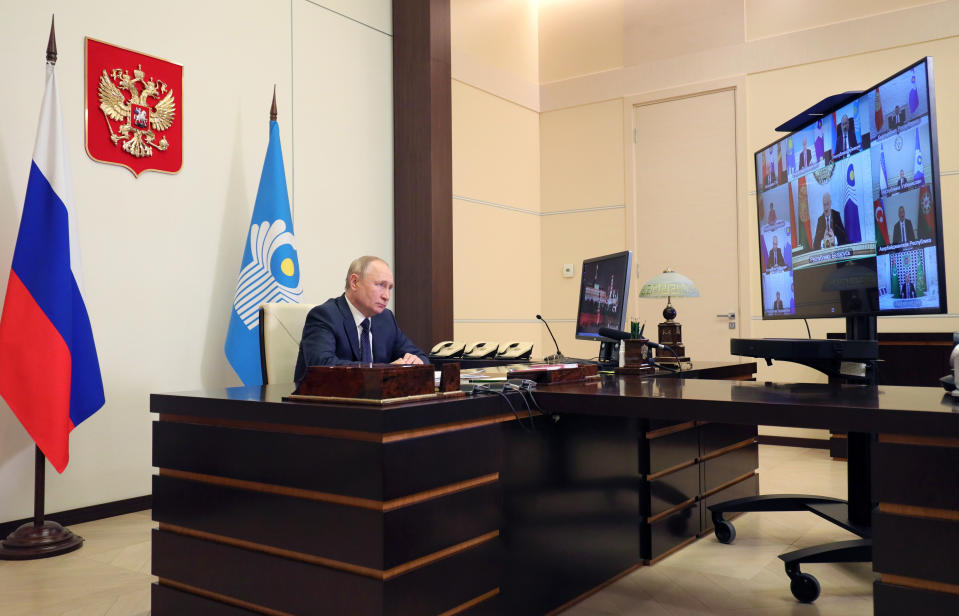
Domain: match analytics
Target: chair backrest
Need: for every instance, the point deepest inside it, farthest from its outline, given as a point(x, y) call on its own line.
point(281, 326)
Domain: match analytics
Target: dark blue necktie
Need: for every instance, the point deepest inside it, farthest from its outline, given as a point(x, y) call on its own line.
point(366, 352)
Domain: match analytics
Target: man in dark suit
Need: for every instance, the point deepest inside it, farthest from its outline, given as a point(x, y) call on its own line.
point(805, 155)
point(845, 135)
point(356, 327)
point(902, 232)
point(775, 258)
point(829, 228)
point(778, 302)
point(907, 290)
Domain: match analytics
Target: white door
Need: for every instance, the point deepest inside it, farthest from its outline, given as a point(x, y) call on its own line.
point(686, 214)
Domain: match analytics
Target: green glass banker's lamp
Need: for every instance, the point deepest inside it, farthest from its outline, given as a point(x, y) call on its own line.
point(669, 284)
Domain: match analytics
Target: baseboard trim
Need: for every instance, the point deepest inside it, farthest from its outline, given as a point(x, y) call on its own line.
point(86, 514)
point(793, 441)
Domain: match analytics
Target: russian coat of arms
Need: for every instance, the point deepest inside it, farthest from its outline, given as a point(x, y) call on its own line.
point(132, 115)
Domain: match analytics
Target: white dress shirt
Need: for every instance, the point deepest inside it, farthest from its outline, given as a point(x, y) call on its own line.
point(358, 318)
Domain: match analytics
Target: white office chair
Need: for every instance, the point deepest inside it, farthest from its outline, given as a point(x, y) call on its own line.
point(281, 327)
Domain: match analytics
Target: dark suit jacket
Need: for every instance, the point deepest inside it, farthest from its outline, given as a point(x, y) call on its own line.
point(805, 158)
point(843, 144)
point(897, 233)
point(330, 338)
point(838, 230)
point(777, 304)
point(775, 258)
point(907, 290)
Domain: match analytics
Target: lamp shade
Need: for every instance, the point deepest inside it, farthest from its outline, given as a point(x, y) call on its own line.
point(669, 284)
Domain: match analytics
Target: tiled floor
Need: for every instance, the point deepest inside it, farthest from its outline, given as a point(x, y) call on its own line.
point(109, 575)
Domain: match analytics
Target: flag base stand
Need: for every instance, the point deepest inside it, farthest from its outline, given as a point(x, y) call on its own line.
point(29, 542)
point(39, 538)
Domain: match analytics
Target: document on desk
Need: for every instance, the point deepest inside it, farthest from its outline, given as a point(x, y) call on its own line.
point(484, 375)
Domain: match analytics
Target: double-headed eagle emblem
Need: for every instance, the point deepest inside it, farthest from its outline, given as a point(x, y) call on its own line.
point(140, 120)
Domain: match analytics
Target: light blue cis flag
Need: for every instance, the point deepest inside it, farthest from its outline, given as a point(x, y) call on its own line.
point(269, 271)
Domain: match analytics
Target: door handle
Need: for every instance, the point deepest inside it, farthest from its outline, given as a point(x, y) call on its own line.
point(727, 315)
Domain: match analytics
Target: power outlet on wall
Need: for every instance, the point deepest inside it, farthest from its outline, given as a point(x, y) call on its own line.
point(568, 270)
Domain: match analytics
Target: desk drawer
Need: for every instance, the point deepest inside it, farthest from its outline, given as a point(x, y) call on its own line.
point(916, 547)
point(716, 436)
point(670, 533)
point(729, 466)
point(900, 472)
point(669, 446)
point(740, 489)
point(661, 494)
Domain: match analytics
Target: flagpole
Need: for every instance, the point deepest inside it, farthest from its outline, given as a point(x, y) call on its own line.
point(40, 538)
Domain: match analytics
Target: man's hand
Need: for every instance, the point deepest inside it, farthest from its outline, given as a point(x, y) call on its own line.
point(409, 358)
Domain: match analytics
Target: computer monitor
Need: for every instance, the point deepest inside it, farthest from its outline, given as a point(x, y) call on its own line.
point(603, 292)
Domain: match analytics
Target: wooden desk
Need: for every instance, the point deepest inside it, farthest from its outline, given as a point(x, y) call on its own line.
point(915, 453)
point(301, 508)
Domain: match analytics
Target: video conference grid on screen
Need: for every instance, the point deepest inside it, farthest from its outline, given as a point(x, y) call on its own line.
point(603, 291)
point(847, 214)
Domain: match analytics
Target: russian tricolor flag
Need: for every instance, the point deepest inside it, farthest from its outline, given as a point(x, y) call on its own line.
point(49, 371)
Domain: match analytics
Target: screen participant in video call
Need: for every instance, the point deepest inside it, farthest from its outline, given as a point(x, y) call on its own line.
point(845, 135)
point(829, 228)
point(805, 155)
point(907, 290)
point(778, 302)
point(775, 255)
point(902, 232)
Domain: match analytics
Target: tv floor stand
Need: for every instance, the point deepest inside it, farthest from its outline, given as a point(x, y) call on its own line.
point(853, 514)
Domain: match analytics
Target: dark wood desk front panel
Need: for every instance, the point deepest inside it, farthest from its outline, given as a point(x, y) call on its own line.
point(579, 466)
point(307, 509)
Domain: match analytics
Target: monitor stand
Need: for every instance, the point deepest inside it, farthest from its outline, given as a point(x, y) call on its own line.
point(609, 353)
point(853, 514)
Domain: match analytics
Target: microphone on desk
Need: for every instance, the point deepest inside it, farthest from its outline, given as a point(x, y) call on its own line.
point(559, 354)
point(616, 334)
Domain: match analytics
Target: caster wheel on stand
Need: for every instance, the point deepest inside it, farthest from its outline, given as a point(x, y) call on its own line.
point(725, 531)
point(804, 587)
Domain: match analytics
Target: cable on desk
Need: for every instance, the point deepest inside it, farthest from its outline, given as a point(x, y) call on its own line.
point(485, 387)
point(520, 387)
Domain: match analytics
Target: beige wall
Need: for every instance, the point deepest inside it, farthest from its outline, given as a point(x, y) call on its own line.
point(494, 47)
point(496, 168)
point(582, 180)
point(161, 253)
point(788, 63)
point(496, 222)
point(598, 58)
point(579, 38)
point(786, 58)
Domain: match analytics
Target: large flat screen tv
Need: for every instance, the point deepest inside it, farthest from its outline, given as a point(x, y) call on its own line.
point(849, 207)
